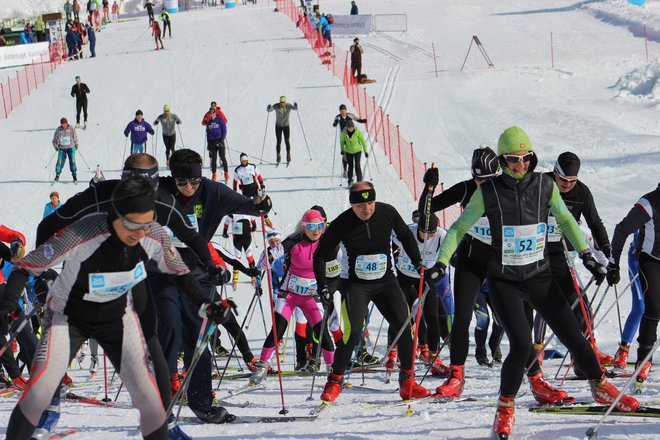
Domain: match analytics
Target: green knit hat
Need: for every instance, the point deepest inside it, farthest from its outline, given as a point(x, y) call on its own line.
point(513, 139)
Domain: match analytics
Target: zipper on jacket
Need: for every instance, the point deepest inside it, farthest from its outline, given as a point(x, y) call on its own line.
point(366, 224)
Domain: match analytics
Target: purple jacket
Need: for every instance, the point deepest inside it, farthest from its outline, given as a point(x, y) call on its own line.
point(216, 129)
point(138, 131)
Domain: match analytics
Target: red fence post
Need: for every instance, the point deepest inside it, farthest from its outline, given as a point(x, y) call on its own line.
point(366, 112)
point(34, 75)
point(20, 94)
point(27, 80)
point(389, 136)
point(43, 73)
point(398, 139)
point(11, 100)
point(412, 160)
point(4, 102)
point(382, 125)
point(374, 125)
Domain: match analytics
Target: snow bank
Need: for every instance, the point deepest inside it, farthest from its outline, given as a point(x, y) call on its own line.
point(29, 8)
point(642, 81)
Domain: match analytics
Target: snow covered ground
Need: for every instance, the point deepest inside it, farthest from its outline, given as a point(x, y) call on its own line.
point(600, 101)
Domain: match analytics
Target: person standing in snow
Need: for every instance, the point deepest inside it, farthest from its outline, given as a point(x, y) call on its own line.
point(356, 58)
point(216, 133)
point(352, 145)
point(155, 31)
point(150, 11)
point(79, 91)
point(68, 10)
point(354, 8)
point(138, 129)
point(53, 205)
point(115, 11)
point(167, 21)
point(169, 121)
point(282, 112)
point(340, 120)
point(218, 111)
point(65, 142)
point(91, 36)
point(76, 11)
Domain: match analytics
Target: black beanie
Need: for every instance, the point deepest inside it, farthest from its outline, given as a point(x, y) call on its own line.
point(433, 223)
point(568, 164)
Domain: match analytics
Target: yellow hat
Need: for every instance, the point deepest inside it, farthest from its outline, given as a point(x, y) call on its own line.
point(282, 98)
point(166, 108)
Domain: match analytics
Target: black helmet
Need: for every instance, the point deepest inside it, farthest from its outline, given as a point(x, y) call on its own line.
point(485, 163)
point(433, 224)
point(568, 164)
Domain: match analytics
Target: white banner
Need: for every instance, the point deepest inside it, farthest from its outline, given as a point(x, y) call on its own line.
point(351, 25)
point(23, 54)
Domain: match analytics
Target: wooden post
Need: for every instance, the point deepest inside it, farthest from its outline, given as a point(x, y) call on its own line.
point(412, 160)
point(398, 140)
point(435, 61)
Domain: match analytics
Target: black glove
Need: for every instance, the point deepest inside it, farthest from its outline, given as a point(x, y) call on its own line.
point(254, 227)
point(225, 234)
point(7, 319)
point(218, 274)
point(607, 251)
point(366, 155)
point(613, 275)
point(263, 203)
point(268, 107)
point(434, 274)
point(253, 272)
point(431, 177)
point(597, 270)
point(218, 312)
point(325, 295)
point(295, 105)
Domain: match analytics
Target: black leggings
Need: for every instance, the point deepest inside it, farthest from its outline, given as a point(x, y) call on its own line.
point(389, 299)
point(170, 142)
point(278, 134)
point(430, 325)
point(81, 105)
point(649, 277)
point(234, 329)
point(167, 26)
point(217, 148)
point(508, 299)
point(483, 320)
point(282, 324)
point(354, 163)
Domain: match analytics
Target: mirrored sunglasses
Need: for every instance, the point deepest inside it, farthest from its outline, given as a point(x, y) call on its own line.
point(314, 226)
point(194, 181)
point(512, 158)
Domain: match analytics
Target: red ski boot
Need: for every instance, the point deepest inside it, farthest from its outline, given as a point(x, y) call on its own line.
point(544, 393)
point(621, 356)
point(504, 417)
point(332, 387)
point(604, 358)
point(453, 386)
point(438, 369)
point(392, 359)
point(175, 383)
point(424, 353)
point(644, 372)
point(408, 388)
point(537, 349)
point(605, 393)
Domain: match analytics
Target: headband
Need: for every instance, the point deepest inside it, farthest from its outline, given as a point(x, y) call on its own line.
point(187, 170)
point(143, 203)
point(149, 173)
point(362, 196)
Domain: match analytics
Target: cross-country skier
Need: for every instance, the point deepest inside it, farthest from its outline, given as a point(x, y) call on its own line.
point(218, 111)
point(170, 121)
point(645, 216)
point(65, 142)
point(282, 111)
point(352, 145)
point(80, 91)
point(517, 205)
point(216, 133)
point(365, 231)
point(92, 298)
point(149, 6)
point(341, 120)
point(167, 21)
point(138, 129)
point(240, 227)
point(249, 180)
point(155, 31)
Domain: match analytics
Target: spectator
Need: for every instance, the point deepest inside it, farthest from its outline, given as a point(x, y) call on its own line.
point(53, 205)
point(3, 42)
point(76, 10)
point(106, 11)
point(354, 8)
point(167, 21)
point(40, 29)
point(150, 11)
point(68, 10)
point(72, 44)
point(115, 11)
point(356, 58)
point(325, 27)
point(91, 36)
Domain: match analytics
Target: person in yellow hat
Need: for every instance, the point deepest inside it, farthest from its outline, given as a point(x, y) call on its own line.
point(282, 111)
point(169, 121)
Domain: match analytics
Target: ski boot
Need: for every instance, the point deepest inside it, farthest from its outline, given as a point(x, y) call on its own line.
point(438, 369)
point(288, 158)
point(482, 357)
point(215, 414)
point(537, 348)
point(365, 358)
point(408, 388)
point(332, 387)
point(455, 383)
point(604, 392)
point(392, 359)
point(19, 383)
point(82, 353)
point(268, 223)
point(66, 381)
point(213, 177)
point(279, 158)
point(544, 393)
point(260, 372)
point(5, 380)
point(48, 421)
point(497, 354)
point(226, 178)
point(93, 363)
point(174, 431)
point(75, 177)
point(423, 353)
point(312, 366)
point(235, 280)
point(644, 372)
point(252, 365)
point(57, 177)
point(604, 358)
point(77, 125)
point(504, 417)
point(175, 383)
point(621, 356)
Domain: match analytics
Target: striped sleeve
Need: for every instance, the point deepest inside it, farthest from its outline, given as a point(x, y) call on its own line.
point(159, 248)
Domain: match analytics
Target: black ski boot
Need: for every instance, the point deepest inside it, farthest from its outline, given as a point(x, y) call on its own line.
point(216, 414)
point(482, 357)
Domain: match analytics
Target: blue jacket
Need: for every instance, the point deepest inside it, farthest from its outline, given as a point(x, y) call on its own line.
point(216, 129)
point(49, 209)
point(324, 25)
point(138, 131)
point(91, 34)
point(71, 38)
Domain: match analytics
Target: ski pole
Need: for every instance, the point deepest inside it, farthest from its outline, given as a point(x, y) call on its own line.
point(435, 356)
point(324, 320)
point(20, 328)
point(121, 385)
point(593, 432)
point(373, 350)
point(83, 158)
point(154, 140)
point(263, 146)
point(618, 311)
point(334, 156)
point(263, 315)
point(124, 156)
point(272, 311)
point(304, 137)
point(51, 159)
point(183, 144)
point(228, 151)
point(359, 345)
point(105, 377)
point(233, 347)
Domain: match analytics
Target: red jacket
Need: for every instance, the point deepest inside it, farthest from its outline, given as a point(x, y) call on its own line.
point(217, 112)
point(8, 235)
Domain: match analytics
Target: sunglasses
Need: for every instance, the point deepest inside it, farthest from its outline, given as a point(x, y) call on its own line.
point(194, 181)
point(131, 226)
point(512, 158)
point(566, 179)
point(314, 226)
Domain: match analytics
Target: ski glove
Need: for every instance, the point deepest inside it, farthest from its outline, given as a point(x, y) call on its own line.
point(218, 312)
point(431, 177)
point(613, 275)
point(225, 234)
point(254, 227)
point(324, 295)
point(295, 105)
point(8, 317)
point(366, 155)
point(435, 273)
point(269, 107)
point(17, 250)
point(218, 274)
point(597, 270)
point(263, 203)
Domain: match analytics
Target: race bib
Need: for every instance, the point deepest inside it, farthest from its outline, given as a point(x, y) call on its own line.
point(554, 233)
point(370, 267)
point(175, 241)
point(105, 287)
point(332, 268)
point(65, 140)
point(237, 228)
point(301, 286)
point(247, 179)
point(406, 267)
point(481, 230)
point(523, 244)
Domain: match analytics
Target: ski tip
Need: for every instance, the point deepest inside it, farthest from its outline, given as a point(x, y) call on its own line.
point(409, 411)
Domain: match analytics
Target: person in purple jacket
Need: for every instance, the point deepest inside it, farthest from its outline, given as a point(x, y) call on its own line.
point(216, 132)
point(138, 129)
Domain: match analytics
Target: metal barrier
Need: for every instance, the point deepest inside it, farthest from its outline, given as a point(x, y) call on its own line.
point(390, 23)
